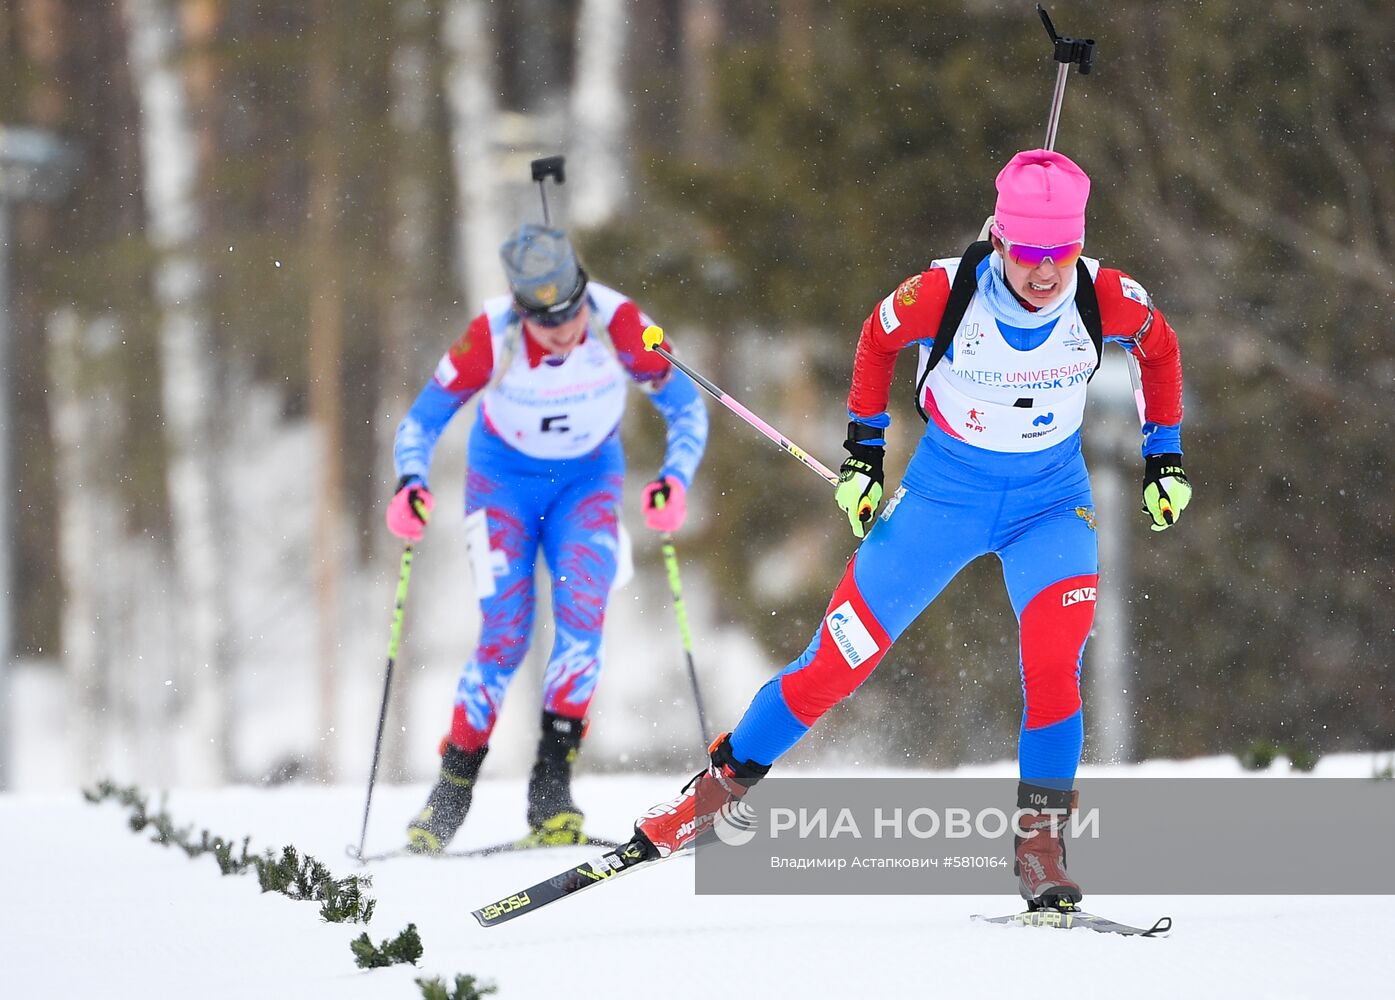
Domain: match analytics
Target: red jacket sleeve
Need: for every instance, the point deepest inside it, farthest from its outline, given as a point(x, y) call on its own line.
point(467, 364)
point(627, 334)
point(909, 314)
point(1125, 310)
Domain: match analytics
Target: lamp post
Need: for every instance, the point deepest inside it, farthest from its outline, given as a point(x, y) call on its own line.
point(33, 167)
point(1109, 673)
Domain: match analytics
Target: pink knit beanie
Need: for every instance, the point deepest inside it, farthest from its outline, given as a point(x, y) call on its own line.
point(1041, 199)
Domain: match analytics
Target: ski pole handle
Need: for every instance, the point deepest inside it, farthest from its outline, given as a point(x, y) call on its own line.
point(653, 341)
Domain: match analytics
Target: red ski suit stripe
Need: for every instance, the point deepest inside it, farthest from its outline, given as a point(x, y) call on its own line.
point(829, 676)
point(1054, 627)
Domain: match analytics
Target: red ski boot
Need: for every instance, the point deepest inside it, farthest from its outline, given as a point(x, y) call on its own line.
point(674, 825)
point(1041, 854)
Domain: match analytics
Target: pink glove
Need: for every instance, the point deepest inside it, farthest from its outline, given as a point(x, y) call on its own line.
point(410, 509)
point(665, 504)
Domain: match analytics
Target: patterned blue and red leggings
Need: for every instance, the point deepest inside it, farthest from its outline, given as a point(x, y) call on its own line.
point(570, 510)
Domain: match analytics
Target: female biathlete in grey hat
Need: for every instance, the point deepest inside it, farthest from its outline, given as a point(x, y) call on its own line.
point(551, 364)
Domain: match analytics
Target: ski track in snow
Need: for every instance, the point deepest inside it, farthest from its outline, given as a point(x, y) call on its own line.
point(91, 909)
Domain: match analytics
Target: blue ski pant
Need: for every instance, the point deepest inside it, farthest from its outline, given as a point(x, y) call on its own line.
point(957, 502)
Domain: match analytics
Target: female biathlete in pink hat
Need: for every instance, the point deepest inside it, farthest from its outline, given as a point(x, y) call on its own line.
point(999, 469)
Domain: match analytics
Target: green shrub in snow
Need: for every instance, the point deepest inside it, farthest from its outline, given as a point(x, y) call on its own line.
point(292, 874)
point(465, 989)
point(404, 949)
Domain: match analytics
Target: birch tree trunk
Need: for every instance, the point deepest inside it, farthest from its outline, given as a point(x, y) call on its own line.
point(169, 150)
point(471, 90)
point(326, 322)
point(77, 445)
point(115, 648)
point(200, 21)
point(599, 113)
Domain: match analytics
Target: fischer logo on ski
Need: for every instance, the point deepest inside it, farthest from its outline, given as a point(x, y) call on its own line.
point(515, 902)
point(636, 854)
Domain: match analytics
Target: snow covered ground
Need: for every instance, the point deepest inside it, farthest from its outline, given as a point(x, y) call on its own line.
point(89, 909)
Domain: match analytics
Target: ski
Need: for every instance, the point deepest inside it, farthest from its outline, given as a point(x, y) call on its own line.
point(506, 847)
point(620, 861)
point(1077, 920)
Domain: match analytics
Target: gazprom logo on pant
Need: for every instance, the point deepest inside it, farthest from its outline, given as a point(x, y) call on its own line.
point(854, 641)
point(1078, 596)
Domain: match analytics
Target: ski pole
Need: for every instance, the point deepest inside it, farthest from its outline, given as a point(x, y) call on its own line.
point(680, 612)
point(404, 574)
point(654, 338)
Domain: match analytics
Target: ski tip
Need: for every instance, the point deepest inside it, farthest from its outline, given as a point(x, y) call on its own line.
point(504, 909)
point(1163, 926)
point(653, 337)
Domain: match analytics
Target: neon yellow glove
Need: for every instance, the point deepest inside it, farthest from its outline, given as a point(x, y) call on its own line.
point(860, 485)
point(1166, 491)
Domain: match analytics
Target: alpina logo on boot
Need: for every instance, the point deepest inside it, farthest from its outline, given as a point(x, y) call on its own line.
point(1034, 863)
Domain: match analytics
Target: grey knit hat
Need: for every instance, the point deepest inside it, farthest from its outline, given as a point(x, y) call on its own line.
point(542, 270)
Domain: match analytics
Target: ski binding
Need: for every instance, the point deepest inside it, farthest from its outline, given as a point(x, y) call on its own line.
point(1067, 917)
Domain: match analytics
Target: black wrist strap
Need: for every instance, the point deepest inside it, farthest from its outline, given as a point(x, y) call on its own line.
point(859, 432)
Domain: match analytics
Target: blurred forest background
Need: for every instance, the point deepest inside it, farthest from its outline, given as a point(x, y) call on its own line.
point(270, 217)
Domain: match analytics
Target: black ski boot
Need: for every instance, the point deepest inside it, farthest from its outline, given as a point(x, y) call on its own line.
point(445, 810)
point(553, 818)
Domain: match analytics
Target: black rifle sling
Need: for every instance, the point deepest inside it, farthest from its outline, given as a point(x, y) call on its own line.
point(961, 293)
point(1087, 303)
